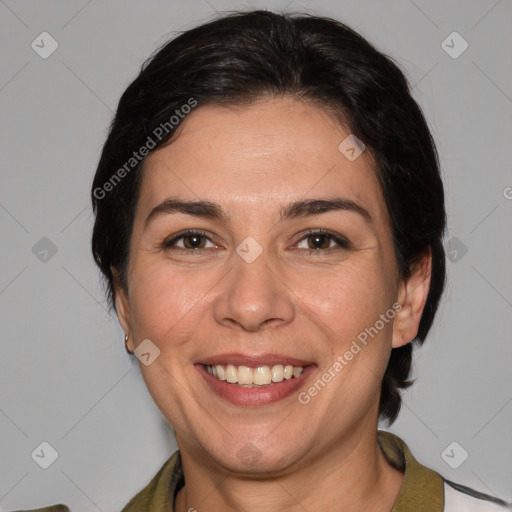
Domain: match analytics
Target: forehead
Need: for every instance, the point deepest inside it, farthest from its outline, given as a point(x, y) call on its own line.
point(260, 156)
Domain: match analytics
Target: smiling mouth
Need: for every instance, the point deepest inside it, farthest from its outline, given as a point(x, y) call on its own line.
point(258, 376)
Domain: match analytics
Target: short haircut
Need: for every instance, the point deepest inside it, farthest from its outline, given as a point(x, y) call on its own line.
point(242, 57)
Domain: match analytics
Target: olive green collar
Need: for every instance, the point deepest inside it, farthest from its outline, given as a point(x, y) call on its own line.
point(422, 488)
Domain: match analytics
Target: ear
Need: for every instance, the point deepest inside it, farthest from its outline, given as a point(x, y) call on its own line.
point(122, 307)
point(412, 295)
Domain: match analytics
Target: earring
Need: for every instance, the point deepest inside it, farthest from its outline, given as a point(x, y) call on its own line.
point(126, 344)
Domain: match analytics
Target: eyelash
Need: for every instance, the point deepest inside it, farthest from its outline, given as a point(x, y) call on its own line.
point(342, 242)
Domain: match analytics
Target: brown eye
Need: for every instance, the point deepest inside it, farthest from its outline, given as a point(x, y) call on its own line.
point(194, 241)
point(319, 241)
point(322, 241)
point(189, 240)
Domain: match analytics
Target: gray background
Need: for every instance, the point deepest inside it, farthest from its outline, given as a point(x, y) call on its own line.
point(65, 378)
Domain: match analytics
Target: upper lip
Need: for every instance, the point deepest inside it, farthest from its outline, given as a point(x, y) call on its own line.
point(254, 360)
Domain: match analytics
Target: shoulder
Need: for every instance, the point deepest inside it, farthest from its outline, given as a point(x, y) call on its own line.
point(156, 496)
point(459, 498)
point(425, 489)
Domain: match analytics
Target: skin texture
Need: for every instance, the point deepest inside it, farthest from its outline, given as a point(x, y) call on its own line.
point(309, 304)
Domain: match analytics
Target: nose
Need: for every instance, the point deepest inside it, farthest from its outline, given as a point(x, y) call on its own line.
point(254, 296)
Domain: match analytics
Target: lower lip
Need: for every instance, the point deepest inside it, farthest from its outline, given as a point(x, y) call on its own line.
point(263, 395)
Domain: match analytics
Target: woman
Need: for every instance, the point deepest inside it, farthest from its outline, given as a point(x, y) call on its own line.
point(269, 222)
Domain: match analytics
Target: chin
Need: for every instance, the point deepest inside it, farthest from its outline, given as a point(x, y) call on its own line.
point(246, 457)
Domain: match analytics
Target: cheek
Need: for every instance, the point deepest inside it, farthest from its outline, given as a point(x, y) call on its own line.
point(166, 304)
point(348, 299)
point(348, 305)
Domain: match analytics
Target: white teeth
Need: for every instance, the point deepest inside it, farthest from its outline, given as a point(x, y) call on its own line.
point(250, 377)
point(296, 371)
point(244, 375)
point(231, 374)
point(277, 373)
point(221, 374)
point(262, 376)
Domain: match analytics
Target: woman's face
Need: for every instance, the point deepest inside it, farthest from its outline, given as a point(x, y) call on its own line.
point(260, 287)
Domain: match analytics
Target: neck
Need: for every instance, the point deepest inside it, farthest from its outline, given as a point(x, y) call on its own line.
point(354, 474)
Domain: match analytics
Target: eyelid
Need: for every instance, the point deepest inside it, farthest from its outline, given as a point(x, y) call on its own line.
point(171, 242)
point(341, 240)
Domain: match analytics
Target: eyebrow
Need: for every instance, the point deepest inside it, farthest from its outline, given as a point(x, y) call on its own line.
point(317, 206)
point(297, 209)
